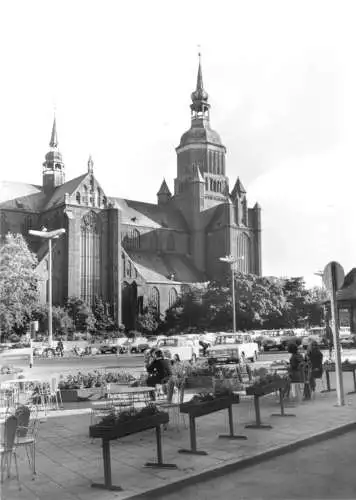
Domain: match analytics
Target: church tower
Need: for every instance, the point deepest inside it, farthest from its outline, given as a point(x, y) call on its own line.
point(53, 168)
point(200, 155)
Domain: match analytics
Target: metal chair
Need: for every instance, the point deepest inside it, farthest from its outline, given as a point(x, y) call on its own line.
point(7, 447)
point(26, 434)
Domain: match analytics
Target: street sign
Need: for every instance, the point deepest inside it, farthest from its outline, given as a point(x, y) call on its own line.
point(339, 275)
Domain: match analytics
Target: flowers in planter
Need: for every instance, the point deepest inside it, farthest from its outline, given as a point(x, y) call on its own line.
point(95, 379)
point(205, 396)
point(268, 379)
point(116, 418)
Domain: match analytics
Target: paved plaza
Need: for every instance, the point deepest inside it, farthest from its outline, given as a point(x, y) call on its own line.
point(68, 460)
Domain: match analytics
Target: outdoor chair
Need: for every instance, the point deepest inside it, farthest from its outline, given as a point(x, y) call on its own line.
point(26, 433)
point(7, 447)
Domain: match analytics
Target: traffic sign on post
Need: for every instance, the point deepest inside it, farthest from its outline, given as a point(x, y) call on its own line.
point(333, 278)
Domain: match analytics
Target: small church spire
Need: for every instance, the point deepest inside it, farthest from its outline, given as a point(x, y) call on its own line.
point(90, 165)
point(54, 139)
point(200, 85)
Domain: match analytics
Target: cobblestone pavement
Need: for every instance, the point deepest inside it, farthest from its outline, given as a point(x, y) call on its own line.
point(322, 471)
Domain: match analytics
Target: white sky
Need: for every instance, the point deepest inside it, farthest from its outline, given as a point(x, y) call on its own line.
point(281, 77)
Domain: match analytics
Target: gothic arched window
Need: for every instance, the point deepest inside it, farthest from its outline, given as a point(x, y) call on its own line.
point(244, 249)
point(206, 183)
point(172, 297)
point(85, 195)
point(90, 257)
point(154, 300)
point(135, 238)
point(171, 243)
point(77, 197)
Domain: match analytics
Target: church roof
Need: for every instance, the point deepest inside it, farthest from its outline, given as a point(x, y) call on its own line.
point(159, 268)
point(200, 132)
point(21, 196)
point(149, 215)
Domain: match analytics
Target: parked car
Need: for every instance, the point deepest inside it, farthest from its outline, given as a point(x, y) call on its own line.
point(288, 337)
point(139, 345)
point(348, 342)
point(272, 340)
point(232, 348)
point(179, 347)
point(113, 346)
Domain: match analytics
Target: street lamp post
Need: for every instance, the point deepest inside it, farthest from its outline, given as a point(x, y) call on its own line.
point(229, 259)
point(49, 235)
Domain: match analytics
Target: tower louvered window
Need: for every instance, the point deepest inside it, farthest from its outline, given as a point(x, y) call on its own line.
point(90, 258)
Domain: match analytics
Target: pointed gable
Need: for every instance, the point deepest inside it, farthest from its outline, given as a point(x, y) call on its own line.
point(164, 189)
point(86, 185)
point(238, 188)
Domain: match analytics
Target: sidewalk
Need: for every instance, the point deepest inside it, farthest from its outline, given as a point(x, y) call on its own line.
point(68, 460)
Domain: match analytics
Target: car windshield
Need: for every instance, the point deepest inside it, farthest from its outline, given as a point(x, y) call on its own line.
point(169, 342)
point(228, 339)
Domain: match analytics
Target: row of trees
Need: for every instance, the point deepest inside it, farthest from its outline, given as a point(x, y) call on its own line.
point(260, 302)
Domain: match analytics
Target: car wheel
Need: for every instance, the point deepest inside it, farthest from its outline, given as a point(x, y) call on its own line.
point(114, 350)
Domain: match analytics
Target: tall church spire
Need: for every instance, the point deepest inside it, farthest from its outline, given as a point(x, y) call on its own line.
point(200, 106)
point(53, 167)
point(54, 139)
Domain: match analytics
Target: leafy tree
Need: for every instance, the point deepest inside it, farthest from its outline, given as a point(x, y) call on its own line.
point(297, 301)
point(61, 321)
point(103, 318)
point(19, 294)
point(148, 322)
point(81, 314)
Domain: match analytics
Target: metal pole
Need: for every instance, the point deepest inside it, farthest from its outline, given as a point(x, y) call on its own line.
point(50, 338)
point(338, 367)
point(233, 299)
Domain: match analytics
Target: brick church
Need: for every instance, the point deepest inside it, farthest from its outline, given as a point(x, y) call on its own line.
point(133, 253)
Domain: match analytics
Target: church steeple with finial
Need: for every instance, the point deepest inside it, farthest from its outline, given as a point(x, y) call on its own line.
point(200, 106)
point(201, 150)
point(53, 167)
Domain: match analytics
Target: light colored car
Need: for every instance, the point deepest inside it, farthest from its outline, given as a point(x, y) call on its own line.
point(140, 344)
point(113, 346)
point(178, 347)
point(232, 348)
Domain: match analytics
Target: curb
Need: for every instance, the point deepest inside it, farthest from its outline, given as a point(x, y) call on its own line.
point(243, 463)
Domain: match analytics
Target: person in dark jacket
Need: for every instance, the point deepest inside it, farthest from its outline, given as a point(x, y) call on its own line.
point(159, 371)
point(314, 357)
point(295, 363)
